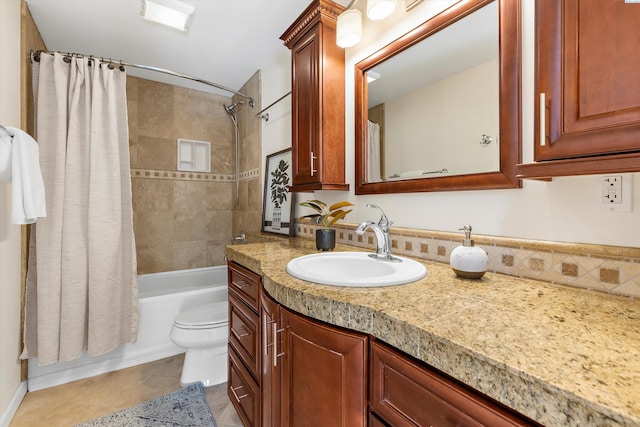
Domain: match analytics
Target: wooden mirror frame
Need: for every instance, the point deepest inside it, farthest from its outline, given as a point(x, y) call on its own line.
point(510, 66)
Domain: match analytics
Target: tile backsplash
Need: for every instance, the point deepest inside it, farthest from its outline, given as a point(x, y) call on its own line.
point(611, 269)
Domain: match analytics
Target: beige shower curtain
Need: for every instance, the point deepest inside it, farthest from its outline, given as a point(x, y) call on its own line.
point(81, 287)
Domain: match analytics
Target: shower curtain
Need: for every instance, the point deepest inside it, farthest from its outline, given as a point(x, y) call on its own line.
point(374, 153)
point(81, 287)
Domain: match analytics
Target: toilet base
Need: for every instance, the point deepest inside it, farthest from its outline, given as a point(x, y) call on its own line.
point(207, 365)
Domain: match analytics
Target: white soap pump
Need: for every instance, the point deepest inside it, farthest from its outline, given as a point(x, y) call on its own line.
point(468, 261)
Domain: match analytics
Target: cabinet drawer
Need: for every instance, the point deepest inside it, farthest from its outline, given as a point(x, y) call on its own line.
point(243, 391)
point(243, 333)
point(405, 393)
point(245, 283)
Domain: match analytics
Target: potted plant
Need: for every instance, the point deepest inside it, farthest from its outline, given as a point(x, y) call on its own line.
point(326, 216)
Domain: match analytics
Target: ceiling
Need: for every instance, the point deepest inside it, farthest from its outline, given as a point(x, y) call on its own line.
point(229, 40)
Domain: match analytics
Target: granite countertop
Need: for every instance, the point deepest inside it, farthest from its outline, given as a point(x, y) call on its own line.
point(559, 355)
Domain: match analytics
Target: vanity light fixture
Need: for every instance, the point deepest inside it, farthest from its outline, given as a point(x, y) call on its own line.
point(172, 13)
point(380, 9)
point(349, 28)
point(349, 25)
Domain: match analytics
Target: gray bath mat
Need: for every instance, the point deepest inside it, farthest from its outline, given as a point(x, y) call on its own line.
point(185, 407)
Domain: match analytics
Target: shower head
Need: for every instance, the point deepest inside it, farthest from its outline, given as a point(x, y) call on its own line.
point(230, 108)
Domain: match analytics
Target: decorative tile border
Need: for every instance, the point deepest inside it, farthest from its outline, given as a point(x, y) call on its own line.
point(611, 269)
point(180, 175)
point(249, 174)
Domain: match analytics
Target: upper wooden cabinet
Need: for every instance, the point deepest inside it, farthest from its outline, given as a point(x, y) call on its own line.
point(317, 101)
point(587, 91)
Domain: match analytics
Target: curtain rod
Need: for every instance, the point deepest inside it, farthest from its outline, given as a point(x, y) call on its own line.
point(266, 116)
point(34, 56)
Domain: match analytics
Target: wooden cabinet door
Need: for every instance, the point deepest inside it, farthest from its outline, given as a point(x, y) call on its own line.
point(323, 371)
point(306, 117)
point(587, 81)
point(270, 381)
point(317, 99)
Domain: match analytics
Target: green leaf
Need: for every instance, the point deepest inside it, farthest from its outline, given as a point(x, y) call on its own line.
point(340, 205)
point(316, 205)
point(338, 215)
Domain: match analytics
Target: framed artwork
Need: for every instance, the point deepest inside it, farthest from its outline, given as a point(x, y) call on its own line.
point(277, 211)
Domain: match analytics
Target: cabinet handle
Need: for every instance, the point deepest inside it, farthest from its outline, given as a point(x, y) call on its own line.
point(275, 343)
point(233, 390)
point(242, 284)
point(265, 344)
point(242, 335)
point(313, 169)
point(264, 335)
point(543, 119)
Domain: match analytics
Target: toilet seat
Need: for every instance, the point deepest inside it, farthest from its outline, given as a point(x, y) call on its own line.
point(206, 316)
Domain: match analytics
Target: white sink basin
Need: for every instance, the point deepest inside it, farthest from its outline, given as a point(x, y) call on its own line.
point(355, 269)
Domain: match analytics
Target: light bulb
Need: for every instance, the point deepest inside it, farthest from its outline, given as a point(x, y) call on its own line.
point(380, 9)
point(349, 28)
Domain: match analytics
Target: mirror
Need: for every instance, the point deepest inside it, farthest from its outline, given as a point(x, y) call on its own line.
point(439, 108)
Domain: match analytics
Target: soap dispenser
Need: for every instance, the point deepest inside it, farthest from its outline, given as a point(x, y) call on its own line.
point(468, 261)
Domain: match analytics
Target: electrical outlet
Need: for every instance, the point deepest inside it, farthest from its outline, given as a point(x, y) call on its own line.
point(612, 189)
point(613, 193)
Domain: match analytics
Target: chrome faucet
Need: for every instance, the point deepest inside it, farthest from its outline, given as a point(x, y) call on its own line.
point(241, 238)
point(382, 230)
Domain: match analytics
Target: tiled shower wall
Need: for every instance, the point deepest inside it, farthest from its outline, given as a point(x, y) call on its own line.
point(248, 213)
point(181, 220)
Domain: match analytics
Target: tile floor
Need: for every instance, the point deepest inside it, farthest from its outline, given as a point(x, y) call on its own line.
point(84, 400)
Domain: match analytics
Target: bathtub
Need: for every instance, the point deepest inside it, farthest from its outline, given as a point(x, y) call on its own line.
point(162, 296)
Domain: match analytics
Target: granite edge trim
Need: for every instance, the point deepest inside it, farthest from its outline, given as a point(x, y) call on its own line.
point(570, 410)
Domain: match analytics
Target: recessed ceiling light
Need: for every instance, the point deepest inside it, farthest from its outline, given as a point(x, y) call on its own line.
point(172, 13)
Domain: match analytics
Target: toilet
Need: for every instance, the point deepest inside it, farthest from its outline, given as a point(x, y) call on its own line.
point(203, 331)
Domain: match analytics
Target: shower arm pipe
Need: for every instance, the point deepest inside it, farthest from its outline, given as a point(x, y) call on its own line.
point(149, 68)
point(266, 116)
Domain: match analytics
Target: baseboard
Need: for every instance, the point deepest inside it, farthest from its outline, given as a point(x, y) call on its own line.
point(93, 369)
point(14, 403)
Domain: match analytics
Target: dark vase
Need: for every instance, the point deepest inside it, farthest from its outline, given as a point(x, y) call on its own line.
point(325, 239)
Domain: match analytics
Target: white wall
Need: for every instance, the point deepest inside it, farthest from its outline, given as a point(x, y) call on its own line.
point(561, 210)
point(425, 136)
point(11, 390)
point(276, 81)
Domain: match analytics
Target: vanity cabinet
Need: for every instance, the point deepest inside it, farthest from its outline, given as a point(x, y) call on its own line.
point(317, 99)
point(587, 104)
point(403, 392)
point(311, 373)
point(243, 385)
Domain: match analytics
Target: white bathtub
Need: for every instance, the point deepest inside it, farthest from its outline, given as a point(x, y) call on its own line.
point(161, 297)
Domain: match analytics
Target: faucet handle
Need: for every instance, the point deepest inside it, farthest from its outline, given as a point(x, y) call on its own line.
point(384, 221)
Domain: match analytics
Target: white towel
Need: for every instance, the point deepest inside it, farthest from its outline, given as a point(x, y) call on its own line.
point(411, 174)
point(5, 157)
point(28, 188)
